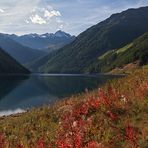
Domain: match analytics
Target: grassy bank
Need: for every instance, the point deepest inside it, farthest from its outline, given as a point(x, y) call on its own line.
point(112, 116)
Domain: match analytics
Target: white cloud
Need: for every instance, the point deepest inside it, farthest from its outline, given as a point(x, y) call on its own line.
point(44, 16)
point(52, 13)
point(27, 21)
point(36, 19)
point(19, 16)
point(1, 10)
point(26, 16)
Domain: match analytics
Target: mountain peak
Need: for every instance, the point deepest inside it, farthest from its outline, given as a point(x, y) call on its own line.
point(46, 35)
point(44, 41)
point(61, 33)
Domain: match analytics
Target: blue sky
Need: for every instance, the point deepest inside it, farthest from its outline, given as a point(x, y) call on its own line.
point(73, 16)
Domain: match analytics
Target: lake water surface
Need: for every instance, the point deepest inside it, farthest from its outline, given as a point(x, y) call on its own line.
point(18, 93)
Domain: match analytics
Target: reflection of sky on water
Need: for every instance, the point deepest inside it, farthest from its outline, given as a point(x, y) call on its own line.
point(17, 93)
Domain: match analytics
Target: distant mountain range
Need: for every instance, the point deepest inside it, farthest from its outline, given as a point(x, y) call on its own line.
point(8, 65)
point(20, 52)
point(45, 42)
point(27, 48)
point(81, 56)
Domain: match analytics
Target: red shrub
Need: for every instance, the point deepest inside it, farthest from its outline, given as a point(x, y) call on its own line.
point(93, 103)
point(40, 143)
point(103, 98)
point(2, 141)
point(20, 146)
point(112, 116)
point(131, 136)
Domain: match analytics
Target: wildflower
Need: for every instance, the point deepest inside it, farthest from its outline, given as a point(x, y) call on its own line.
point(123, 98)
point(70, 133)
point(74, 124)
point(89, 120)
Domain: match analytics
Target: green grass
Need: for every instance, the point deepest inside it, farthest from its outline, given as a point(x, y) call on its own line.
point(116, 51)
point(124, 48)
point(106, 54)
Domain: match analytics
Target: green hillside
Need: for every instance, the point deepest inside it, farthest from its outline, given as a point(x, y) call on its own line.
point(8, 65)
point(113, 33)
point(135, 51)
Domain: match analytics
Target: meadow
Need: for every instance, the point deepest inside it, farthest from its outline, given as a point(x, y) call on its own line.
point(112, 116)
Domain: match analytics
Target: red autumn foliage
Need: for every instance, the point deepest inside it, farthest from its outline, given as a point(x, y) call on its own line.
point(93, 103)
point(20, 146)
point(131, 136)
point(112, 116)
point(92, 144)
point(103, 98)
point(2, 141)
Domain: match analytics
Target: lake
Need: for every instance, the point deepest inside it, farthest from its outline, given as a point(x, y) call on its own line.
point(18, 93)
